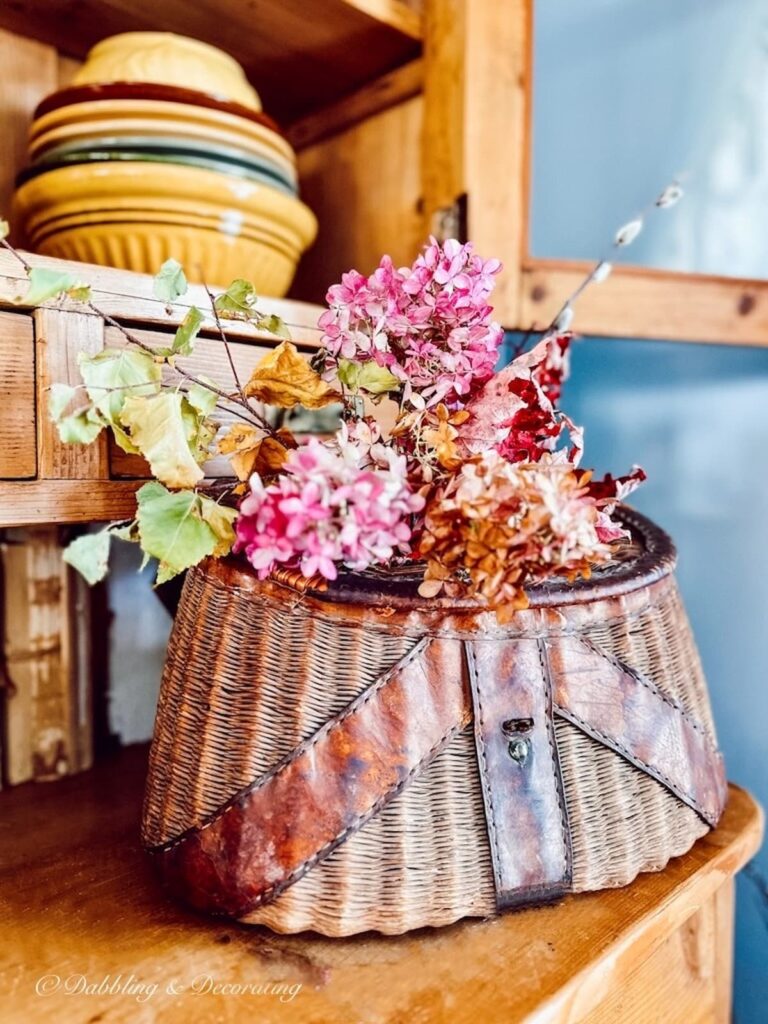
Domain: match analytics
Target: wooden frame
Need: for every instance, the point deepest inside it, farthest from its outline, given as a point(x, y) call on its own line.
point(478, 101)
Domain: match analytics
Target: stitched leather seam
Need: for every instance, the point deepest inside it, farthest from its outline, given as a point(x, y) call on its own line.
point(275, 890)
point(555, 761)
point(487, 784)
point(301, 749)
point(392, 628)
point(656, 773)
point(650, 686)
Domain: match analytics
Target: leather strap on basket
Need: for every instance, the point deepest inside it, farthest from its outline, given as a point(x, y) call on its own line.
point(326, 789)
point(271, 833)
point(520, 771)
point(627, 713)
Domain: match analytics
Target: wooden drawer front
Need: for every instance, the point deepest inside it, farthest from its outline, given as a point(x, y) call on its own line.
point(18, 458)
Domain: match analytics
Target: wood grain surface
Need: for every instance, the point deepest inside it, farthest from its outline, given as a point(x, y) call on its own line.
point(24, 502)
point(78, 898)
point(17, 385)
point(365, 185)
point(30, 72)
point(299, 56)
point(60, 337)
point(639, 302)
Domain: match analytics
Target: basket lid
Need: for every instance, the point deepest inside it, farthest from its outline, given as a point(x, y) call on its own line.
point(645, 557)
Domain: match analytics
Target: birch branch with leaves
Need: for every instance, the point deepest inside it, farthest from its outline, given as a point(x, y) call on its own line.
point(156, 408)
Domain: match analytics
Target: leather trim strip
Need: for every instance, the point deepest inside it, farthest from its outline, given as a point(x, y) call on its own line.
point(276, 830)
point(626, 712)
point(520, 771)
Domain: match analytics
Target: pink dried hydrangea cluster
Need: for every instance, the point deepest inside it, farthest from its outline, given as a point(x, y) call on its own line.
point(347, 503)
point(430, 325)
point(479, 474)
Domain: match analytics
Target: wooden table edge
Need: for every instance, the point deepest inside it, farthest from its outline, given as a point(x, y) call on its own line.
point(584, 990)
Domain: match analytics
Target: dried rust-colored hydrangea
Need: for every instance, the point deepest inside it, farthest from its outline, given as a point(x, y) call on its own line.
point(499, 526)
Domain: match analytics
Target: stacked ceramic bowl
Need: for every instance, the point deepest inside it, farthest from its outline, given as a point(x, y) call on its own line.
point(128, 167)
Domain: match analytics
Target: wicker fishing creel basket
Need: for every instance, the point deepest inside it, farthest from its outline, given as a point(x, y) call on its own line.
point(360, 758)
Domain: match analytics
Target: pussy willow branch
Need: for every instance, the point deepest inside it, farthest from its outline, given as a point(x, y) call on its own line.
point(595, 271)
point(614, 247)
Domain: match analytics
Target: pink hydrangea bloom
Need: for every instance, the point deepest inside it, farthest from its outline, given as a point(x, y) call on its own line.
point(347, 502)
point(430, 325)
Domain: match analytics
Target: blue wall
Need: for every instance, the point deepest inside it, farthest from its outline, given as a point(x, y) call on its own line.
point(696, 418)
point(628, 93)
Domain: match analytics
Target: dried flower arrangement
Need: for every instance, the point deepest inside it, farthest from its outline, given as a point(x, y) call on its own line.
point(477, 478)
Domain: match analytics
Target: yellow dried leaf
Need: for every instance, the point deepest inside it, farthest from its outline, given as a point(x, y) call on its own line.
point(250, 451)
point(285, 378)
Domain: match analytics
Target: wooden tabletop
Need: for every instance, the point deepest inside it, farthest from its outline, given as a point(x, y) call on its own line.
point(79, 906)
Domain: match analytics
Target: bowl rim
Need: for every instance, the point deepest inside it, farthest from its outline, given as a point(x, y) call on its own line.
point(130, 90)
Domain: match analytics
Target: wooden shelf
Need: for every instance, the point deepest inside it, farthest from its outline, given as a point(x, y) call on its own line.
point(43, 481)
point(299, 56)
point(79, 897)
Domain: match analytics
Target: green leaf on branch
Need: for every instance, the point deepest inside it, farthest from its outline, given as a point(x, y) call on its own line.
point(238, 300)
point(201, 398)
point(169, 283)
point(59, 397)
point(129, 532)
point(81, 427)
point(221, 520)
point(79, 293)
point(114, 374)
point(89, 554)
point(189, 328)
point(158, 428)
point(177, 528)
point(275, 325)
point(368, 376)
point(45, 284)
point(199, 431)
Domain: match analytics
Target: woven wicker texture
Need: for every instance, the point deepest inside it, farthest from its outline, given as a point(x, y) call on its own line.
point(246, 680)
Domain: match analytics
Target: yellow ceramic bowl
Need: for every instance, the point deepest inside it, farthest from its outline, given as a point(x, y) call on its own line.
point(207, 256)
point(126, 184)
point(234, 227)
point(158, 117)
point(167, 59)
point(82, 207)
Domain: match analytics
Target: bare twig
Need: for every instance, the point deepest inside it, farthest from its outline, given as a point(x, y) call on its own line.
point(262, 421)
point(602, 268)
point(225, 343)
point(521, 345)
point(6, 244)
